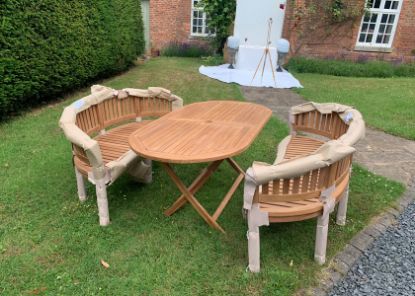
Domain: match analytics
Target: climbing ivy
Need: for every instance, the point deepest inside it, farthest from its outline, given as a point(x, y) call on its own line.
point(221, 14)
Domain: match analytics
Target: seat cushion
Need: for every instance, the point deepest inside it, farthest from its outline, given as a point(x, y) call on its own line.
point(113, 144)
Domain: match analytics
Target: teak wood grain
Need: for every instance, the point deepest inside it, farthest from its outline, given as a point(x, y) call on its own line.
point(201, 132)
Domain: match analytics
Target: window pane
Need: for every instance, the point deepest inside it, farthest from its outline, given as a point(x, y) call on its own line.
point(374, 18)
point(379, 39)
point(395, 5)
point(389, 29)
point(362, 37)
point(369, 38)
point(388, 4)
point(364, 27)
point(376, 3)
point(384, 19)
point(386, 40)
point(391, 18)
point(372, 28)
point(382, 28)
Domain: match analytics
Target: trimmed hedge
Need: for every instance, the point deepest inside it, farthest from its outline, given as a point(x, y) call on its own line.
point(350, 69)
point(48, 47)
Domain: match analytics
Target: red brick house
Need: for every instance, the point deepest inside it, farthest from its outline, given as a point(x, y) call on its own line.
point(385, 32)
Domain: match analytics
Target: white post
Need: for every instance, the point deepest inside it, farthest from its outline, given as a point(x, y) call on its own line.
point(342, 209)
point(80, 182)
point(102, 201)
point(321, 239)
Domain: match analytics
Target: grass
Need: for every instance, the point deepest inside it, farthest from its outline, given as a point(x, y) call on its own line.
point(51, 244)
point(387, 104)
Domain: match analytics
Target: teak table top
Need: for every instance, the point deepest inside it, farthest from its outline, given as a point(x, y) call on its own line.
point(201, 132)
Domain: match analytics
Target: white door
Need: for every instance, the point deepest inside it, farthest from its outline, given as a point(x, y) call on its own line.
point(145, 11)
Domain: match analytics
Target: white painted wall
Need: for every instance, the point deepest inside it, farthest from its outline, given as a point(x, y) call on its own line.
point(251, 21)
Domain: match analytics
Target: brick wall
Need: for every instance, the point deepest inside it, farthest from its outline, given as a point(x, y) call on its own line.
point(338, 40)
point(170, 21)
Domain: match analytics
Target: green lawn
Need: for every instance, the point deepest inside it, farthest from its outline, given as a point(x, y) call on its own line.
point(51, 244)
point(387, 104)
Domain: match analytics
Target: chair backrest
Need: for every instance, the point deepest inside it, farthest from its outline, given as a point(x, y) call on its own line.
point(119, 109)
point(308, 185)
point(329, 125)
point(106, 107)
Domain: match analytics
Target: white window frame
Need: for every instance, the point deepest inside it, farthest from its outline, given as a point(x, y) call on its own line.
point(380, 11)
point(204, 27)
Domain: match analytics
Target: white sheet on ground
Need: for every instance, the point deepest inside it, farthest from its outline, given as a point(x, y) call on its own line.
point(244, 77)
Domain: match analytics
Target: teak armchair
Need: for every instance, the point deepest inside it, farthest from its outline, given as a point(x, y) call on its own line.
point(98, 126)
point(309, 176)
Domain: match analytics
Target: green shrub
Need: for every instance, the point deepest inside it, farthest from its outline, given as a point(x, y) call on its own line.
point(48, 47)
point(378, 69)
point(185, 49)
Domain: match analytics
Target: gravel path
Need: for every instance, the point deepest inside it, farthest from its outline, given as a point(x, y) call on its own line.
point(388, 266)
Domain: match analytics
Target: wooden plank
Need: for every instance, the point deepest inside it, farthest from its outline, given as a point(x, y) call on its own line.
point(201, 132)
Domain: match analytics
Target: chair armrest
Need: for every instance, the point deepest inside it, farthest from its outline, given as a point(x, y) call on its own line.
point(78, 137)
point(326, 155)
point(264, 172)
point(177, 102)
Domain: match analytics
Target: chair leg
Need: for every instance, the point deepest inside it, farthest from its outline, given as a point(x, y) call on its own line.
point(342, 209)
point(80, 182)
point(102, 201)
point(321, 239)
point(253, 244)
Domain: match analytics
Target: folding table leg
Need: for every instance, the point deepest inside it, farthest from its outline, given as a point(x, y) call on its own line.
point(190, 198)
point(194, 187)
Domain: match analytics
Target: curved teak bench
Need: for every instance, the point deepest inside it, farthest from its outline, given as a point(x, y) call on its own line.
point(309, 176)
point(98, 126)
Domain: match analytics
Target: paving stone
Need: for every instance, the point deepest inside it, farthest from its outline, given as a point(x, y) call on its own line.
point(394, 212)
point(372, 231)
point(349, 255)
point(380, 227)
point(340, 266)
point(362, 241)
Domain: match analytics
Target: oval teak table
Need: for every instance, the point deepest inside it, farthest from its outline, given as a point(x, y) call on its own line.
point(211, 131)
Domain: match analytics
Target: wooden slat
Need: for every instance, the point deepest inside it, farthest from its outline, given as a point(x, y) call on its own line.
point(201, 132)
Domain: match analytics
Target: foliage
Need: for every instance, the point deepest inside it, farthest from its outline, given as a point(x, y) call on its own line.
point(48, 47)
point(377, 69)
point(313, 19)
point(386, 103)
point(342, 10)
point(221, 14)
point(51, 244)
point(331, 11)
point(186, 49)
